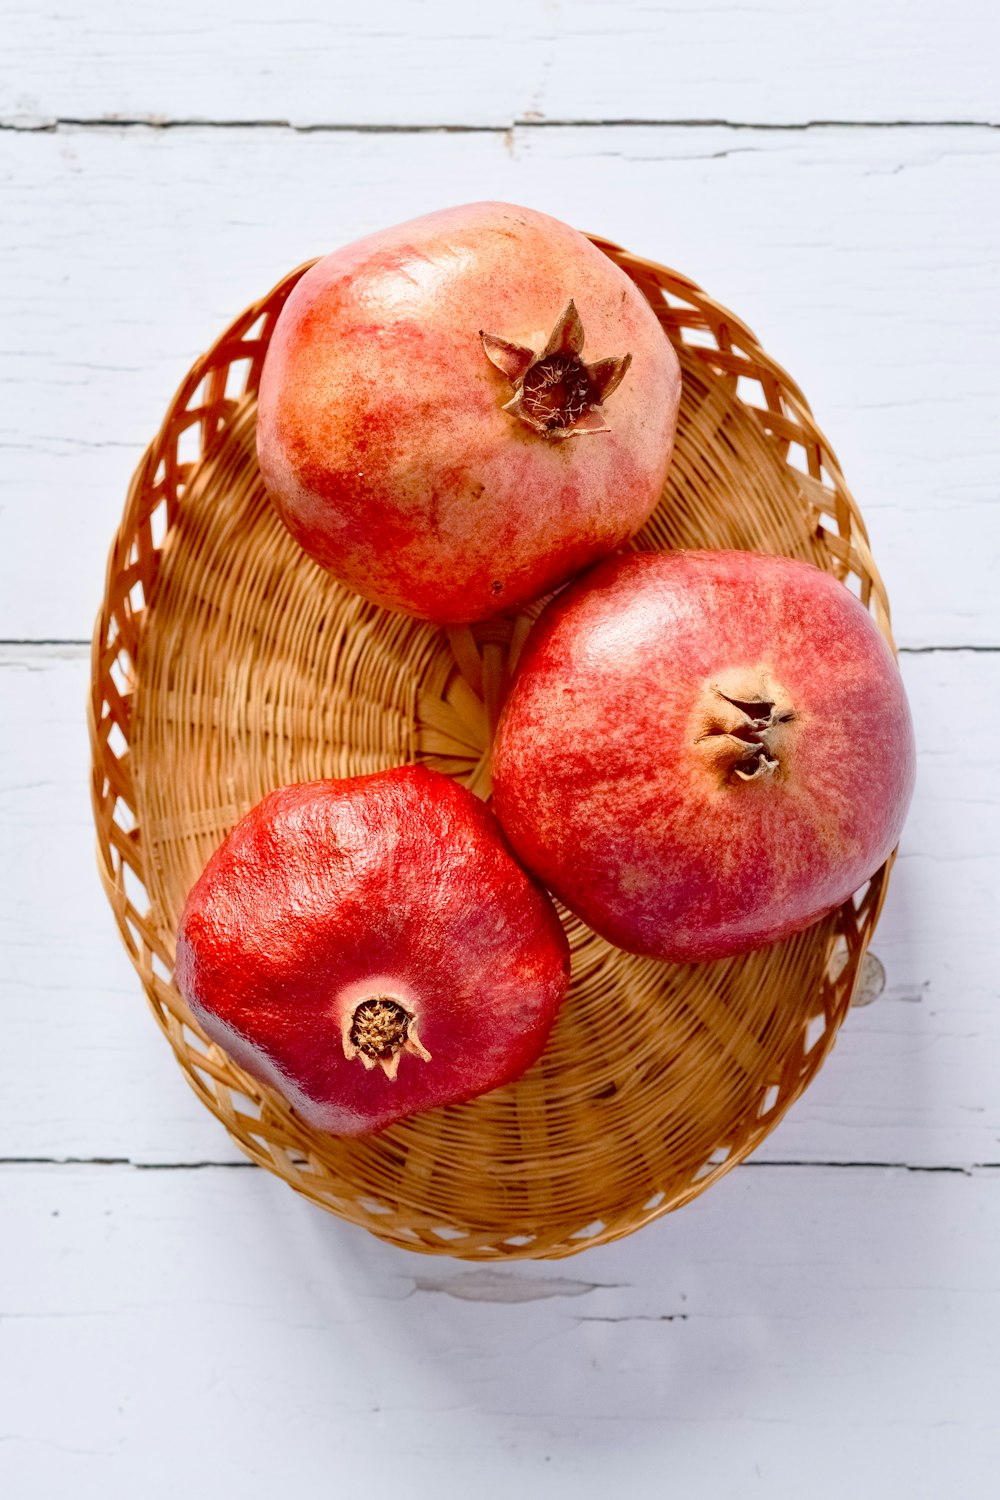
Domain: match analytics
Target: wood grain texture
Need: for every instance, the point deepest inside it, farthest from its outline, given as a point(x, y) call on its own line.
point(189, 1332)
point(452, 62)
point(863, 260)
point(912, 1078)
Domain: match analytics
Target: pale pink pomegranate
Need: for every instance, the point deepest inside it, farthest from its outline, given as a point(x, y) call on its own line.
point(459, 413)
point(704, 752)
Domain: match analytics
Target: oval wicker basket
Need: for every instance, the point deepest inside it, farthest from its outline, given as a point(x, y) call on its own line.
point(226, 663)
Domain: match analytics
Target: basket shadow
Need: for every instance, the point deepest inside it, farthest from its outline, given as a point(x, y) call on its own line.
point(755, 1300)
point(713, 1312)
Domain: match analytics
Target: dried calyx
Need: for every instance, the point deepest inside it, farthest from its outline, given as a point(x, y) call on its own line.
point(555, 393)
point(378, 1031)
point(749, 735)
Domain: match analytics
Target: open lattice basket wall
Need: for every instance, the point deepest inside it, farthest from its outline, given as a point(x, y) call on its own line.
point(226, 663)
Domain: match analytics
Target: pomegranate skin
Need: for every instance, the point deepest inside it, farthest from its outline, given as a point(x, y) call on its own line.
point(396, 886)
point(637, 774)
point(381, 436)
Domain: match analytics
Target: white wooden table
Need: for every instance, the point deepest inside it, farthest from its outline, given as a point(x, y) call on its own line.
point(825, 1322)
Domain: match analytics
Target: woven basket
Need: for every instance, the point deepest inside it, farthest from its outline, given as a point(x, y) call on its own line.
point(226, 663)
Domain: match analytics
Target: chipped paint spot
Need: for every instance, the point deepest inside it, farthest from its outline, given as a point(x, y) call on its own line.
point(499, 1286)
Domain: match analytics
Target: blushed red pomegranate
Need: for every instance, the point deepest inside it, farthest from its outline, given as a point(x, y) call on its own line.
point(459, 413)
point(370, 948)
point(704, 752)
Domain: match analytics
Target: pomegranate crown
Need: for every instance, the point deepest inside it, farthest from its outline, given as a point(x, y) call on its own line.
point(555, 393)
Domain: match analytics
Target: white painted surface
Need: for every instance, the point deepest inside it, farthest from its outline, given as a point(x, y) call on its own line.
point(464, 62)
point(803, 1329)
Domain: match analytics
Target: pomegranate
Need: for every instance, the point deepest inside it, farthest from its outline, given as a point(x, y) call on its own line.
point(704, 752)
point(457, 414)
point(370, 948)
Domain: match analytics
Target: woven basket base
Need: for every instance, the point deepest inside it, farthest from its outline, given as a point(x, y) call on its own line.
point(226, 663)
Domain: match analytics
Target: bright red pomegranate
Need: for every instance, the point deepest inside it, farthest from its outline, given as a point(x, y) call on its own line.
point(704, 752)
point(370, 948)
point(459, 413)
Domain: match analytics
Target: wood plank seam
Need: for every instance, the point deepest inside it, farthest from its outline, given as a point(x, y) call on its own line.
point(758, 1165)
point(50, 124)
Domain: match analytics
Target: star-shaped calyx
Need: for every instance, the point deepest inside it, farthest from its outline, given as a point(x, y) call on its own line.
point(555, 392)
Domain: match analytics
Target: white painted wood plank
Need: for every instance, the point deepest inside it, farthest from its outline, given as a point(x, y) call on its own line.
point(461, 63)
point(797, 1331)
point(84, 1071)
point(864, 259)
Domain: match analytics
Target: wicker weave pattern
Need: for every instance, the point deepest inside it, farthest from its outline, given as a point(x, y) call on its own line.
point(225, 662)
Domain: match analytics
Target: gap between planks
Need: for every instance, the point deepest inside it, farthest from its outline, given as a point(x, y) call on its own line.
point(50, 124)
point(970, 1170)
